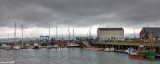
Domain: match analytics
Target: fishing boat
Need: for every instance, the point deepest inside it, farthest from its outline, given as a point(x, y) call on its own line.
point(147, 52)
point(135, 54)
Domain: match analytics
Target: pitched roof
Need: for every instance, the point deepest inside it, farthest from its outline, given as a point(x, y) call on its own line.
point(110, 28)
point(154, 30)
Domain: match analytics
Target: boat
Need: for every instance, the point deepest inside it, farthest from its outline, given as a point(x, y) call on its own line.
point(148, 53)
point(119, 51)
point(73, 45)
point(112, 49)
point(55, 46)
point(134, 54)
point(3, 46)
point(128, 50)
point(36, 46)
point(16, 47)
point(26, 46)
point(109, 49)
point(7, 47)
point(157, 56)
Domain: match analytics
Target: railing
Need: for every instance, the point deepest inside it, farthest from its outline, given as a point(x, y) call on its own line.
point(86, 43)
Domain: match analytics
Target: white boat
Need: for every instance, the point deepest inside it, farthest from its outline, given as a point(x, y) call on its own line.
point(55, 46)
point(73, 45)
point(112, 49)
point(109, 49)
point(106, 49)
point(3, 46)
point(36, 46)
point(7, 47)
point(16, 47)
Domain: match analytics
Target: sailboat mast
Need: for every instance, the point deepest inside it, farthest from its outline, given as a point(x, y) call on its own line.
point(56, 31)
point(73, 33)
point(15, 33)
point(69, 34)
point(90, 32)
point(22, 33)
point(49, 32)
point(8, 38)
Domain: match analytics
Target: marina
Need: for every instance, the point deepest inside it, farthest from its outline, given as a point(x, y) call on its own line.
point(79, 32)
point(68, 56)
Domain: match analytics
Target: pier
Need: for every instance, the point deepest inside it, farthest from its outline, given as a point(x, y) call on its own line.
point(124, 45)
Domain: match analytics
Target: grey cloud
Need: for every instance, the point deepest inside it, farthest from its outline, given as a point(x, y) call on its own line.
point(44, 13)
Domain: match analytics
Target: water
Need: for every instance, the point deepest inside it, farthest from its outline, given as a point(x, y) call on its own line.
point(68, 56)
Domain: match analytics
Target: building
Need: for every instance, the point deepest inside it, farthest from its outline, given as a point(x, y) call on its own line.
point(152, 33)
point(110, 33)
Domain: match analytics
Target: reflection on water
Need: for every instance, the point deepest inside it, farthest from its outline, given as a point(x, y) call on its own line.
point(68, 56)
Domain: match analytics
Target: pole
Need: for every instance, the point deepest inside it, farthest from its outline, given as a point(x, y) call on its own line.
point(56, 31)
point(15, 34)
point(22, 33)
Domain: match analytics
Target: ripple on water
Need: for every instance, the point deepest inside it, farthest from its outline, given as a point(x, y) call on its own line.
point(68, 56)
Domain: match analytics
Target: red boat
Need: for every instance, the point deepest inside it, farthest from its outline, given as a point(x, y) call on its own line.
point(136, 56)
point(133, 54)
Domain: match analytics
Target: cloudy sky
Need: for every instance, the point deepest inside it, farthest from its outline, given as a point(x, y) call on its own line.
point(38, 15)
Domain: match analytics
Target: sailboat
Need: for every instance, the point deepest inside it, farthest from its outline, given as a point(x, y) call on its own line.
point(16, 46)
point(72, 44)
point(55, 45)
point(49, 46)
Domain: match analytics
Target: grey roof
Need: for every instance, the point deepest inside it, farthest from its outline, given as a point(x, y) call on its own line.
point(110, 28)
point(154, 30)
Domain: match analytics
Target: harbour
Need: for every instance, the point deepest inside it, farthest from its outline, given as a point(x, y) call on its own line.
point(79, 32)
point(68, 56)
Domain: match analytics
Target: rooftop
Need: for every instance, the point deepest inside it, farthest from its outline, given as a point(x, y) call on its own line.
point(110, 28)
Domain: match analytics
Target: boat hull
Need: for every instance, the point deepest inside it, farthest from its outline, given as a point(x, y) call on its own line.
point(136, 56)
point(148, 54)
point(36, 47)
point(73, 46)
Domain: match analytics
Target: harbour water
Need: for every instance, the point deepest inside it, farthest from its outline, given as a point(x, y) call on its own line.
point(68, 56)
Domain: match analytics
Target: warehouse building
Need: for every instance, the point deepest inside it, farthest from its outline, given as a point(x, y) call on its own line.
point(110, 33)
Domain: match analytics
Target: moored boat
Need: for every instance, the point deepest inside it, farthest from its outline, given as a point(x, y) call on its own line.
point(134, 54)
point(16, 47)
point(73, 45)
point(36, 46)
point(107, 50)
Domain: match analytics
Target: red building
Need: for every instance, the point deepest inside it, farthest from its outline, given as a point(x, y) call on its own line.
point(152, 33)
